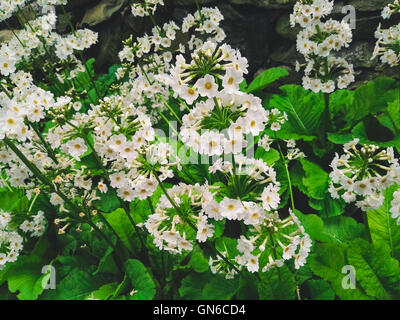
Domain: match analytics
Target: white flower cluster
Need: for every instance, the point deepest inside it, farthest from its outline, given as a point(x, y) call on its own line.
point(28, 102)
point(238, 113)
point(145, 8)
point(395, 206)
point(273, 241)
point(305, 12)
point(387, 45)
point(323, 71)
point(209, 63)
point(11, 242)
point(40, 36)
point(147, 85)
point(361, 173)
point(172, 231)
point(8, 7)
point(390, 9)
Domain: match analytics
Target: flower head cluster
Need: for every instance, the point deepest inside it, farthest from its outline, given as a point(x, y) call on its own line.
point(148, 60)
point(146, 8)
point(29, 43)
point(11, 241)
point(390, 9)
point(273, 241)
point(395, 206)
point(387, 45)
point(323, 71)
point(7, 8)
point(236, 114)
point(361, 173)
point(306, 12)
point(176, 225)
point(209, 64)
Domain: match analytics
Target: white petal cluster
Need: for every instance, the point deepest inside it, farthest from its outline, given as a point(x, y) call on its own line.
point(172, 231)
point(145, 8)
point(395, 206)
point(362, 173)
point(386, 45)
point(317, 42)
point(272, 242)
point(11, 241)
point(390, 9)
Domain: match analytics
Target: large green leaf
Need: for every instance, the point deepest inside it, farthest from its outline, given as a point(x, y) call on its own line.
point(192, 286)
point(219, 288)
point(304, 109)
point(320, 290)
point(383, 227)
point(197, 260)
point(277, 284)
point(315, 180)
point(370, 98)
point(327, 262)
point(376, 270)
point(27, 279)
point(121, 224)
point(266, 78)
point(141, 280)
point(342, 229)
point(77, 285)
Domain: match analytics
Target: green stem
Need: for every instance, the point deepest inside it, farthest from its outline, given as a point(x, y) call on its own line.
point(365, 220)
point(288, 177)
point(5, 91)
point(126, 209)
point(47, 146)
point(170, 108)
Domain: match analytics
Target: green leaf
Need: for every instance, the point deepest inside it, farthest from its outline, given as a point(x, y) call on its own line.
point(370, 98)
point(197, 260)
point(383, 227)
point(266, 78)
point(219, 288)
point(77, 285)
point(394, 111)
point(328, 207)
point(304, 109)
point(315, 180)
point(28, 280)
point(277, 284)
point(313, 225)
point(320, 290)
point(343, 229)
point(327, 262)
point(192, 286)
point(108, 202)
point(105, 291)
point(141, 280)
point(376, 270)
point(124, 229)
point(247, 287)
point(13, 201)
point(269, 157)
point(107, 263)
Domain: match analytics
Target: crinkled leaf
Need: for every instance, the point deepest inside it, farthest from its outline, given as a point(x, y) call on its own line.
point(266, 78)
point(140, 279)
point(376, 270)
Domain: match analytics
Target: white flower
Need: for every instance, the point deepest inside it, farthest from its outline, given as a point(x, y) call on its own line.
point(231, 208)
point(204, 231)
point(206, 86)
point(252, 263)
point(76, 148)
point(270, 197)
